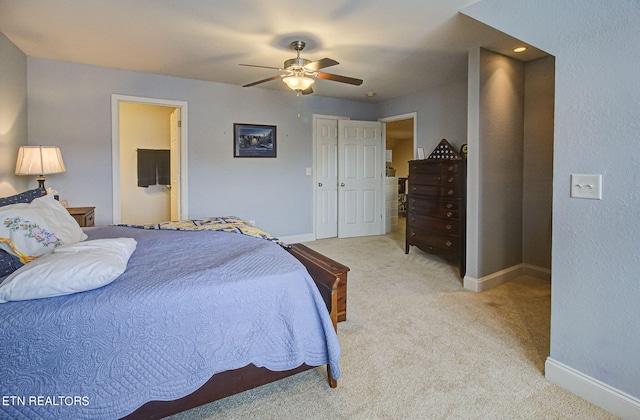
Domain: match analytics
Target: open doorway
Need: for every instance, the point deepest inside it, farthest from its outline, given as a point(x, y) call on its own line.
point(400, 140)
point(144, 128)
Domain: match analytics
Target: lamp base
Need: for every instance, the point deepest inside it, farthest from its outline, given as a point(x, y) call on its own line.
point(41, 180)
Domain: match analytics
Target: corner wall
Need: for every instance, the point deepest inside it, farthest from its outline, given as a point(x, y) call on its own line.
point(537, 198)
point(495, 186)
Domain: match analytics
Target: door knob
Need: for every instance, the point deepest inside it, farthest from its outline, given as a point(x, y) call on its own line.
point(342, 184)
point(319, 184)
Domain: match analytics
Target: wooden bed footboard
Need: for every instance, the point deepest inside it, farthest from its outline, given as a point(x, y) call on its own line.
point(326, 271)
point(225, 384)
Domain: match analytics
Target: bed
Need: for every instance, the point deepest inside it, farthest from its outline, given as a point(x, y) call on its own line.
point(195, 316)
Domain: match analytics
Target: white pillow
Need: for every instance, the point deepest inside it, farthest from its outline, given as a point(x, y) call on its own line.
point(69, 269)
point(28, 230)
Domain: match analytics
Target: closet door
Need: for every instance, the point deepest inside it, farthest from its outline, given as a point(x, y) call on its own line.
point(326, 178)
point(360, 172)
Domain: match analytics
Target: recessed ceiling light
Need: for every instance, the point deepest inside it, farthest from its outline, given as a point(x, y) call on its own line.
point(371, 94)
point(520, 49)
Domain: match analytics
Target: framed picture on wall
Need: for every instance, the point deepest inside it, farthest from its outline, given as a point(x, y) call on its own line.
point(254, 140)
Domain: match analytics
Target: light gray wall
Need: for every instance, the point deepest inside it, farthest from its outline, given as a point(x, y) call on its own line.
point(70, 106)
point(495, 168)
point(441, 114)
point(595, 287)
point(13, 116)
point(538, 162)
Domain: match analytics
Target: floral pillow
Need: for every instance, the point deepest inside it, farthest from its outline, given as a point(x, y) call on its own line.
point(29, 230)
point(10, 263)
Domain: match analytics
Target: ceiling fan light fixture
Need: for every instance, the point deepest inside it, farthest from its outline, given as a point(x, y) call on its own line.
point(298, 82)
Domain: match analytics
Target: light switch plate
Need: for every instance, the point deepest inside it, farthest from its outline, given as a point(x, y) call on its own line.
point(586, 186)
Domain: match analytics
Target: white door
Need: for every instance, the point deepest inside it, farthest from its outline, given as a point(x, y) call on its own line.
point(326, 178)
point(359, 178)
point(175, 165)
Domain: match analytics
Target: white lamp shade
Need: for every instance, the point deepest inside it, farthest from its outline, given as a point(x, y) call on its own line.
point(39, 160)
point(298, 83)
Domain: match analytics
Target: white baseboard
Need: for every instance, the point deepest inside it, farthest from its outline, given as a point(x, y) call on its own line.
point(492, 280)
point(536, 271)
point(307, 237)
point(503, 276)
point(613, 400)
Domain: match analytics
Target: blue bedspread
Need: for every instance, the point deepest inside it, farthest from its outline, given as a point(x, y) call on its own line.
point(190, 304)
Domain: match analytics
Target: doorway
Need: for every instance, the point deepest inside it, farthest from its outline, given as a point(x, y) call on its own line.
point(400, 140)
point(142, 125)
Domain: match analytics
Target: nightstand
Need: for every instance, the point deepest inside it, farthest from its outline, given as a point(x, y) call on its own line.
point(83, 215)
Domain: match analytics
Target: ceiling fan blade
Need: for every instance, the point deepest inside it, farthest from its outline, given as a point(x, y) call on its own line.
point(262, 67)
point(307, 91)
point(321, 64)
point(338, 78)
point(280, 76)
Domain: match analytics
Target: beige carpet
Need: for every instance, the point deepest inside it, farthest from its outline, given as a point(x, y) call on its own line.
point(416, 345)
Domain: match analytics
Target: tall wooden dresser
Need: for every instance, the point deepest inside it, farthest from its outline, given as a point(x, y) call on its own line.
point(436, 205)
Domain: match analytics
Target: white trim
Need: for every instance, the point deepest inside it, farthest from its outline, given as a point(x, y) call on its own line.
point(536, 271)
point(506, 275)
point(611, 399)
point(492, 280)
point(400, 117)
point(115, 149)
point(307, 237)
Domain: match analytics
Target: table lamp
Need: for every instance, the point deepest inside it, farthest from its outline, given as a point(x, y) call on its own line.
point(40, 161)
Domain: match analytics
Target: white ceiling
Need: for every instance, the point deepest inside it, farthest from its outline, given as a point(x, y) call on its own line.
point(396, 47)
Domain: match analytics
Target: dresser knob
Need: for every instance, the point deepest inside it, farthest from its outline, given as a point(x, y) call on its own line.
point(449, 214)
point(450, 192)
point(448, 227)
point(450, 180)
point(413, 234)
point(450, 168)
point(413, 219)
point(448, 243)
point(449, 206)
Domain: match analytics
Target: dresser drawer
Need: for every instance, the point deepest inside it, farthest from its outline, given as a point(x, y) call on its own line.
point(449, 209)
point(434, 166)
point(436, 224)
point(433, 241)
point(451, 191)
point(434, 179)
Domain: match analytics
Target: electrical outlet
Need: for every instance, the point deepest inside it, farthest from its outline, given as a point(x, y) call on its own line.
point(586, 186)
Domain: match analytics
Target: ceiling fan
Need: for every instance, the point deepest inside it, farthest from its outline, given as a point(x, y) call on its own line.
point(301, 73)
